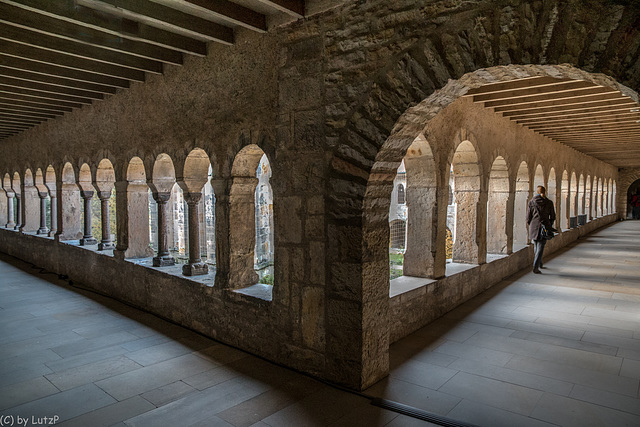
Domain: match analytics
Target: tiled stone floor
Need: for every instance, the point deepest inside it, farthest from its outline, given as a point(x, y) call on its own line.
point(561, 348)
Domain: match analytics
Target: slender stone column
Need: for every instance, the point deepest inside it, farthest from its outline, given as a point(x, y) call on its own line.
point(43, 214)
point(195, 266)
point(10, 213)
point(106, 243)
point(88, 238)
point(18, 212)
point(163, 258)
point(54, 214)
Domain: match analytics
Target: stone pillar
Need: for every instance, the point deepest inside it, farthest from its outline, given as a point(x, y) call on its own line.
point(510, 212)
point(54, 214)
point(242, 236)
point(465, 246)
point(422, 222)
point(106, 243)
point(87, 238)
point(163, 258)
point(10, 212)
point(222, 232)
point(132, 212)
point(3, 209)
point(18, 212)
point(43, 213)
point(69, 205)
point(195, 266)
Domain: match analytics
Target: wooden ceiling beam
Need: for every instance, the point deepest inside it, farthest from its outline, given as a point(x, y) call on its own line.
point(573, 101)
point(291, 7)
point(176, 19)
point(79, 50)
point(594, 133)
point(582, 123)
point(10, 126)
point(54, 81)
point(233, 13)
point(54, 71)
point(9, 111)
point(584, 107)
point(590, 127)
point(25, 84)
point(557, 89)
point(13, 102)
point(44, 95)
point(5, 118)
point(28, 106)
point(69, 11)
point(567, 96)
point(622, 112)
point(38, 101)
point(49, 26)
point(515, 84)
point(18, 50)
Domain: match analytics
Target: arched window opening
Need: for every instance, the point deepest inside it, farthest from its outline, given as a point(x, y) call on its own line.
point(52, 200)
point(263, 254)
point(538, 178)
point(45, 204)
point(588, 198)
point(104, 203)
point(87, 192)
point(552, 186)
point(466, 191)
point(521, 199)
point(580, 210)
point(397, 214)
point(167, 198)
point(565, 210)
point(209, 223)
point(251, 222)
point(573, 201)
point(599, 198)
point(414, 225)
point(497, 208)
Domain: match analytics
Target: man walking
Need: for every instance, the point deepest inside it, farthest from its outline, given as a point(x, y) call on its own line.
point(541, 212)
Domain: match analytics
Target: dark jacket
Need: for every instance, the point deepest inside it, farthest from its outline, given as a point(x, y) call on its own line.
point(534, 220)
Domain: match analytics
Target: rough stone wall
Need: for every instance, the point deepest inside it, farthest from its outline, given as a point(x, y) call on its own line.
point(321, 97)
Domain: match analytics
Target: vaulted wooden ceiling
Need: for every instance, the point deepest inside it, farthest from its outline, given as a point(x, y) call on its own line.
point(58, 55)
point(598, 121)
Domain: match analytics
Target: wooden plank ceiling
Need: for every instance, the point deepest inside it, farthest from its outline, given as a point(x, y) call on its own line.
point(596, 120)
point(58, 55)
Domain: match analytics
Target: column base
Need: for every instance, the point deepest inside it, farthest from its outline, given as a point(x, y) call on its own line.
point(88, 241)
point(104, 246)
point(195, 269)
point(52, 233)
point(163, 261)
point(43, 231)
point(10, 225)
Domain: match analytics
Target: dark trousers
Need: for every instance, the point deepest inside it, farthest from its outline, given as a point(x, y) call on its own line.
point(538, 247)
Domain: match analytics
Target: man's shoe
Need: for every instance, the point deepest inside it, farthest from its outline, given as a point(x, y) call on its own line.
point(541, 266)
point(536, 271)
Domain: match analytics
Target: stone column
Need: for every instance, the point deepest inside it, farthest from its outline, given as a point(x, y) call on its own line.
point(242, 236)
point(422, 221)
point(10, 212)
point(222, 232)
point(132, 212)
point(163, 258)
point(195, 266)
point(54, 214)
point(43, 213)
point(106, 243)
point(87, 238)
point(18, 212)
point(3, 209)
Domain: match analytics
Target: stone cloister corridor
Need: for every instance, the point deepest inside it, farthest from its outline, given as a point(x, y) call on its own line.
point(561, 348)
point(276, 205)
